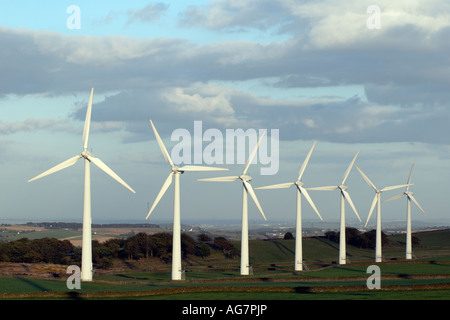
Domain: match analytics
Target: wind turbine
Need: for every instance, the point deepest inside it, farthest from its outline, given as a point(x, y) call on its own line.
point(298, 265)
point(376, 201)
point(409, 197)
point(344, 196)
point(246, 188)
point(175, 172)
point(86, 255)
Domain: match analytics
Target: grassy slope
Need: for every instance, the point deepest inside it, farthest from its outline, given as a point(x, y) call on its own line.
point(318, 249)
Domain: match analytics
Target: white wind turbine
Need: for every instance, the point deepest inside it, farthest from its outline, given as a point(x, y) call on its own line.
point(298, 265)
point(246, 188)
point(409, 197)
point(175, 171)
point(86, 255)
point(376, 201)
point(344, 196)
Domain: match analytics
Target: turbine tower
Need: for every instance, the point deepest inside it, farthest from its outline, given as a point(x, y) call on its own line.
point(298, 265)
point(376, 201)
point(344, 197)
point(246, 188)
point(86, 255)
point(175, 172)
point(409, 198)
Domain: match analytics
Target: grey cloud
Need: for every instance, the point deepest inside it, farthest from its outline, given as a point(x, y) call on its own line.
point(149, 13)
point(405, 75)
point(234, 16)
point(30, 125)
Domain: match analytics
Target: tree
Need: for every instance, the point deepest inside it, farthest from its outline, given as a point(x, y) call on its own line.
point(203, 237)
point(415, 241)
point(331, 235)
point(202, 250)
point(162, 245)
point(226, 247)
point(187, 245)
point(288, 236)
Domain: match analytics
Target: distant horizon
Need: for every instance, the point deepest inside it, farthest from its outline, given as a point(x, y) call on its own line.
point(308, 223)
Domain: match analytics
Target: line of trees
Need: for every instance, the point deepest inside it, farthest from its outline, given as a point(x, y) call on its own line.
point(354, 237)
point(141, 245)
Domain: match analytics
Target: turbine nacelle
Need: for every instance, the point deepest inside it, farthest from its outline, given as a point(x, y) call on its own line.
point(177, 170)
point(85, 154)
point(245, 177)
point(299, 184)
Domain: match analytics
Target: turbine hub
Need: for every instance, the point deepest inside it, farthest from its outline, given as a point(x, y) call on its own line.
point(177, 170)
point(343, 188)
point(245, 178)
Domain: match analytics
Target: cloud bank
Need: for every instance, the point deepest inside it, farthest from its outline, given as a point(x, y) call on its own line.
point(403, 69)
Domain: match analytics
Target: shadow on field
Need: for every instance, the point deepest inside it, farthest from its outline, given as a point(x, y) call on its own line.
point(33, 284)
point(283, 248)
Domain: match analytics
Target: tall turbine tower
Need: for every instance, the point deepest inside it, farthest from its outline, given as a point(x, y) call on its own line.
point(175, 171)
point(376, 201)
point(298, 265)
point(246, 188)
point(409, 197)
point(86, 254)
point(344, 196)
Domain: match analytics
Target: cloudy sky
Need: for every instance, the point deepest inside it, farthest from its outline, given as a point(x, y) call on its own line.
point(334, 72)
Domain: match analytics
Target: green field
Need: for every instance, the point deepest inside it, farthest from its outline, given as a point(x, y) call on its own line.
point(217, 277)
point(431, 280)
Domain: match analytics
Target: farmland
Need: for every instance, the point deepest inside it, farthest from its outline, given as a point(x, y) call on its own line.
point(216, 277)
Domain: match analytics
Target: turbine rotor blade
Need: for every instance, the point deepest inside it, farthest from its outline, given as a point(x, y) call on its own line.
point(87, 121)
point(415, 202)
point(278, 186)
point(99, 163)
point(394, 197)
point(305, 162)
point(58, 167)
point(308, 198)
point(161, 145)
point(249, 188)
point(323, 188)
point(350, 202)
point(374, 202)
point(222, 179)
point(349, 168)
point(247, 165)
point(394, 187)
point(201, 168)
point(366, 179)
point(410, 173)
point(163, 190)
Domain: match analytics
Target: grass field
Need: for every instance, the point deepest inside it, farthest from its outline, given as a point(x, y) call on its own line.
point(217, 278)
point(430, 281)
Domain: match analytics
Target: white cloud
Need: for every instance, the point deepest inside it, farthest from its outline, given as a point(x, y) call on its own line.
point(217, 104)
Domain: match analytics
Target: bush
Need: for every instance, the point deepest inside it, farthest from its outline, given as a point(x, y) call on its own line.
point(288, 236)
